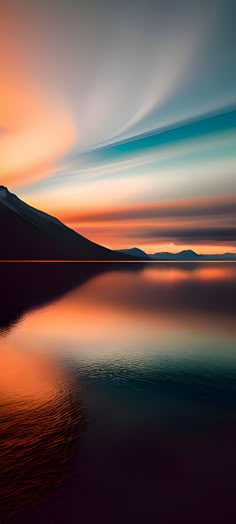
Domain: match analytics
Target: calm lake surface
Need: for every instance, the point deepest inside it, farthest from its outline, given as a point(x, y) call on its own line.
point(118, 393)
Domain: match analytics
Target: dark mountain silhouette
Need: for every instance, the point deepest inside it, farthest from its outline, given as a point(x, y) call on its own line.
point(185, 255)
point(163, 255)
point(135, 252)
point(29, 234)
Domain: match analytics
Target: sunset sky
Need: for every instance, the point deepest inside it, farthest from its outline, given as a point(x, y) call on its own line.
point(119, 118)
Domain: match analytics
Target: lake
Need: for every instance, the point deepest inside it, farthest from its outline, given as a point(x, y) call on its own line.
point(118, 393)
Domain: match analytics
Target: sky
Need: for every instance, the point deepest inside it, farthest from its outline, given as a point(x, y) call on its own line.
point(119, 118)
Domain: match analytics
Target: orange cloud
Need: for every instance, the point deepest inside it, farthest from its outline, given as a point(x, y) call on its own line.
point(34, 130)
point(168, 210)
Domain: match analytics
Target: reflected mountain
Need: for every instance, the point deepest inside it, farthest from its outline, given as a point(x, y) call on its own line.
point(174, 287)
point(25, 286)
point(152, 347)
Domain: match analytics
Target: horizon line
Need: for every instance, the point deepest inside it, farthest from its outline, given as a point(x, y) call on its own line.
point(20, 261)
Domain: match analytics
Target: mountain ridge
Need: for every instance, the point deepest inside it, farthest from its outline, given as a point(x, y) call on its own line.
point(30, 234)
point(27, 233)
point(184, 255)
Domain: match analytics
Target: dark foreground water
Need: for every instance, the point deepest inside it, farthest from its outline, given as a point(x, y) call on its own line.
point(118, 393)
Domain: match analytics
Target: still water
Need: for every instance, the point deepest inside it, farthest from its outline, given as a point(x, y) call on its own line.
point(118, 393)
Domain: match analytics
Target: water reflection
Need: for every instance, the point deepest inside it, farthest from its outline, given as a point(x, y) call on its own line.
point(131, 314)
point(26, 286)
point(40, 421)
point(153, 350)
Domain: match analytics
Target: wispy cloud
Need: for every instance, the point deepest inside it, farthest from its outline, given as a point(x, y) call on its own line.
point(120, 114)
point(216, 207)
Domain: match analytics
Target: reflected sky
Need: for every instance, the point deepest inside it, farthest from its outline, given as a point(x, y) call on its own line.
point(152, 350)
point(40, 421)
point(158, 309)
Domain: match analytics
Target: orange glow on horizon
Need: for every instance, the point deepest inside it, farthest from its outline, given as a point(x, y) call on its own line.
point(117, 227)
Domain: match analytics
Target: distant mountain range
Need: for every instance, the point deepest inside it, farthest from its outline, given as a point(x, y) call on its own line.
point(185, 255)
point(29, 234)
